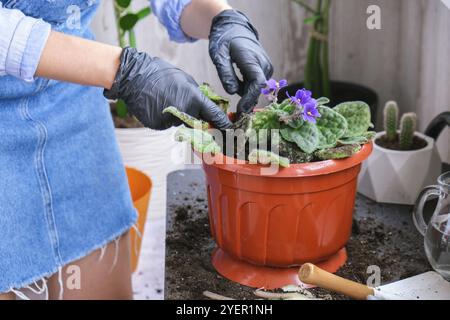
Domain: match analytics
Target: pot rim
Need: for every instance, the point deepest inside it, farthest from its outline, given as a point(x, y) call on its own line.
point(310, 169)
point(428, 148)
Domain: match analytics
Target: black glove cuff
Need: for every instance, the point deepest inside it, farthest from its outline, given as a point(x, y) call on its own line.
point(125, 57)
point(232, 16)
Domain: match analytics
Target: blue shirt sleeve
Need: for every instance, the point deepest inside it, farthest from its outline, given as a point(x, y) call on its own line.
point(22, 40)
point(169, 14)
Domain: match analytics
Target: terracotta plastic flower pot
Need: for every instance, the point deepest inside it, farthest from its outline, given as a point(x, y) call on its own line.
point(267, 226)
point(140, 187)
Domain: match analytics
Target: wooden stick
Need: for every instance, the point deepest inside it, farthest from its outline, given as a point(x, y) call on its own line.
point(215, 296)
point(281, 296)
point(313, 275)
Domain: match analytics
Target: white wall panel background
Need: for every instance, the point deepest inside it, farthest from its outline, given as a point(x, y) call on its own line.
point(433, 95)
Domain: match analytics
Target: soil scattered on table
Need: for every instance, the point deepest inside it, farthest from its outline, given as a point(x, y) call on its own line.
point(189, 272)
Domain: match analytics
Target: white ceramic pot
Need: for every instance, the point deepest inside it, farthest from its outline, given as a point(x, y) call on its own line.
point(156, 153)
point(391, 176)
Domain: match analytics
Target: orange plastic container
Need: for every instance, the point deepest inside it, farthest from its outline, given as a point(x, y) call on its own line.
point(267, 226)
point(140, 187)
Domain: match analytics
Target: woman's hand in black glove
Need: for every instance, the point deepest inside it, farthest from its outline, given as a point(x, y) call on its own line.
point(149, 85)
point(233, 39)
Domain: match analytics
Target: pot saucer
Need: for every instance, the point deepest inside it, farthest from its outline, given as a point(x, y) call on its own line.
point(269, 278)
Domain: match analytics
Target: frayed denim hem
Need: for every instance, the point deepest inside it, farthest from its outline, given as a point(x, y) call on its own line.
point(16, 287)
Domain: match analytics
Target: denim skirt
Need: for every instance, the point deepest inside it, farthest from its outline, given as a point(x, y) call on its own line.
point(63, 186)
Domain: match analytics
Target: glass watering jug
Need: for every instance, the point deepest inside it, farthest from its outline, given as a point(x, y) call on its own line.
point(437, 233)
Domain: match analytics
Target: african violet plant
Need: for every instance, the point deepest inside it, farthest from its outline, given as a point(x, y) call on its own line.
point(308, 129)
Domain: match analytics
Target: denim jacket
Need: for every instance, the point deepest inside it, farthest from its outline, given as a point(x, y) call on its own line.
point(23, 36)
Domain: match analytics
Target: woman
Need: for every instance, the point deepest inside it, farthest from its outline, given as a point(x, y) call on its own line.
point(65, 208)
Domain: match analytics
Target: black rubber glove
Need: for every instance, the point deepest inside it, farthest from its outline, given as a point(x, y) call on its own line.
point(149, 85)
point(233, 39)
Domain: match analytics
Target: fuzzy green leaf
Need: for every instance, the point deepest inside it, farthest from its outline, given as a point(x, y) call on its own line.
point(295, 124)
point(353, 140)
point(357, 114)
point(370, 135)
point(332, 126)
point(266, 157)
point(187, 119)
point(266, 119)
point(323, 101)
point(338, 153)
point(286, 106)
point(201, 141)
point(306, 136)
point(222, 102)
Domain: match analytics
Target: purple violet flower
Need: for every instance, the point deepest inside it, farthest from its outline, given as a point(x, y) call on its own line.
point(303, 100)
point(310, 113)
point(273, 86)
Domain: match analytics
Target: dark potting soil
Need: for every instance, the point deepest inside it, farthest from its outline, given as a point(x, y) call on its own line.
point(418, 143)
point(383, 235)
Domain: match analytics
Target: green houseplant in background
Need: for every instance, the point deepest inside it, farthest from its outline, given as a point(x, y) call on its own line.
point(317, 67)
point(126, 21)
point(317, 75)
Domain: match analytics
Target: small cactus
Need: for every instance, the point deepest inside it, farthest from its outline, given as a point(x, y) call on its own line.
point(407, 129)
point(391, 120)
